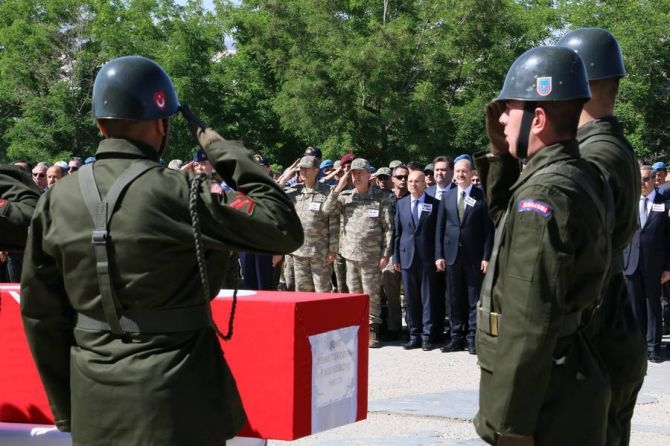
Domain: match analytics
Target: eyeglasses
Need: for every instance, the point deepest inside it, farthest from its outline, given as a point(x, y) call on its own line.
point(73, 168)
point(38, 175)
point(400, 177)
point(645, 179)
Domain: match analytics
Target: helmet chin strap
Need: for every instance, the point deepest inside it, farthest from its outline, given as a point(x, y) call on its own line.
point(524, 130)
point(164, 140)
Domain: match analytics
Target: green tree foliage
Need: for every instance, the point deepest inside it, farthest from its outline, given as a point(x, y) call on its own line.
point(389, 79)
point(386, 78)
point(51, 50)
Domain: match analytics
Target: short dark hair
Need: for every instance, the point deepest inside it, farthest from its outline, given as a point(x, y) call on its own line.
point(444, 159)
point(563, 116)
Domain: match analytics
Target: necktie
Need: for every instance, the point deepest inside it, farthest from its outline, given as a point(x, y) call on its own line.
point(461, 206)
point(414, 213)
point(643, 211)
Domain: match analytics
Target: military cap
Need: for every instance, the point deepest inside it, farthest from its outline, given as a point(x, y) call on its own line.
point(89, 160)
point(395, 163)
point(175, 164)
point(659, 165)
point(465, 156)
point(429, 167)
point(360, 164)
point(260, 159)
point(349, 157)
point(308, 162)
point(336, 164)
point(325, 164)
point(200, 156)
point(313, 151)
point(384, 171)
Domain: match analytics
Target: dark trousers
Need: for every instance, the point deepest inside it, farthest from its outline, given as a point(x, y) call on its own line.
point(439, 303)
point(257, 271)
point(646, 294)
point(464, 280)
point(419, 284)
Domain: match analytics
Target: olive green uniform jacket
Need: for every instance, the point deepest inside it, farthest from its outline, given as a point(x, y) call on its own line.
point(551, 263)
point(616, 332)
point(165, 389)
point(18, 197)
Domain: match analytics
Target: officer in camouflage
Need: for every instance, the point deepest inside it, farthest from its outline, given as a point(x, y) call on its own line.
point(18, 197)
point(114, 301)
point(616, 332)
point(365, 237)
point(540, 381)
point(312, 261)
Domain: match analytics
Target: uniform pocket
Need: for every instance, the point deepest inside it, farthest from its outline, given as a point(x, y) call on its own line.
point(487, 346)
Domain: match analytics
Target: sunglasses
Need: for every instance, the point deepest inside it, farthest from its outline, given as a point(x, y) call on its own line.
point(645, 179)
point(73, 168)
point(400, 177)
point(39, 175)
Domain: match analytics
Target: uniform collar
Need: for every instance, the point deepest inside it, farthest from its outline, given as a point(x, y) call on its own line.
point(606, 124)
point(125, 148)
point(560, 151)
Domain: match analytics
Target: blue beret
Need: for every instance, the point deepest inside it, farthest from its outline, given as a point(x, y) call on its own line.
point(659, 165)
point(465, 156)
point(325, 164)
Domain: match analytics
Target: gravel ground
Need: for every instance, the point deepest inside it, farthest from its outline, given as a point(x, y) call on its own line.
point(429, 398)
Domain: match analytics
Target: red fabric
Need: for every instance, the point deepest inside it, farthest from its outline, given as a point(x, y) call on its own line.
point(269, 355)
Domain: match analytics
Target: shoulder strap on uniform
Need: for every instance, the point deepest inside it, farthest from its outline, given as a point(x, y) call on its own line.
point(101, 211)
point(605, 210)
point(606, 137)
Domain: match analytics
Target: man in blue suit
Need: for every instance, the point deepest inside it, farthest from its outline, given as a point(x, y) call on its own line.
point(647, 263)
point(414, 252)
point(463, 243)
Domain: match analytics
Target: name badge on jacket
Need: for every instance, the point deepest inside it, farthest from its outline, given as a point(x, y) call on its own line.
point(469, 201)
point(658, 207)
point(426, 207)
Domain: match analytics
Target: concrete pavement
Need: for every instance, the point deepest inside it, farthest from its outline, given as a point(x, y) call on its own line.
point(419, 398)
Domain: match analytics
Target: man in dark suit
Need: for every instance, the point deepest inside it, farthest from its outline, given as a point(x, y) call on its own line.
point(647, 263)
point(443, 172)
point(414, 243)
point(463, 242)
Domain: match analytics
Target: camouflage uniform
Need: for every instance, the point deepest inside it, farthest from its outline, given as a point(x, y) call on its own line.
point(365, 237)
point(312, 271)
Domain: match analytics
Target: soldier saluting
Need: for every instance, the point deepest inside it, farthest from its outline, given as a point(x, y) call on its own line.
point(540, 381)
point(114, 307)
point(18, 197)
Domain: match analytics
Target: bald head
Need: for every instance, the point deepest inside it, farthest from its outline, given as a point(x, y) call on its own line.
point(416, 183)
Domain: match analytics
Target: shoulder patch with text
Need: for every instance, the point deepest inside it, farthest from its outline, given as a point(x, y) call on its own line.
point(243, 203)
point(539, 207)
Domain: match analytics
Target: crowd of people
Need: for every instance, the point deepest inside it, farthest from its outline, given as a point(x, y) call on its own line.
point(548, 266)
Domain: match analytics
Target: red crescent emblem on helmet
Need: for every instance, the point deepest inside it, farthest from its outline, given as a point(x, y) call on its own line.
point(159, 100)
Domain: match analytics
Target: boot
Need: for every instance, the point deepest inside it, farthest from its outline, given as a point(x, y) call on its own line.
point(374, 336)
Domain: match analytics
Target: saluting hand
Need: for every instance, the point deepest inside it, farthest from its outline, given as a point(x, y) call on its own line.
point(494, 129)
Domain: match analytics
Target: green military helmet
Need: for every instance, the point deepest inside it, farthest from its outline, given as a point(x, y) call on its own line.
point(135, 88)
point(546, 73)
point(598, 49)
